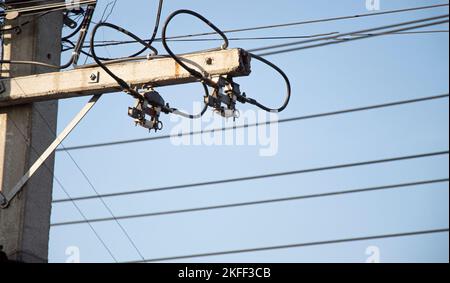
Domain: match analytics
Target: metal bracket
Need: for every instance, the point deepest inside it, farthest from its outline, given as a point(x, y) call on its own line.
point(94, 78)
point(151, 104)
point(225, 97)
point(6, 198)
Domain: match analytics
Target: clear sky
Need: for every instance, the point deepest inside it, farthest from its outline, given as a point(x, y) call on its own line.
point(324, 79)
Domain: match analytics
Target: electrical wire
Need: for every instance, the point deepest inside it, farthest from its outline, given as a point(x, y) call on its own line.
point(260, 202)
point(305, 22)
point(204, 77)
point(412, 32)
point(365, 31)
point(155, 29)
point(263, 176)
point(337, 39)
point(298, 245)
point(369, 30)
point(111, 4)
point(201, 77)
point(123, 85)
point(358, 16)
point(146, 46)
point(113, 42)
point(281, 121)
point(286, 80)
point(290, 50)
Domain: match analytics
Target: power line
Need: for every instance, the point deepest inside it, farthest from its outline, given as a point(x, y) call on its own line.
point(323, 20)
point(413, 32)
point(281, 121)
point(306, 22)
point(339, 40)
point(111, 4)
point(364, 31)
point(104, 43)
point(263, 176)
point(262, 202)
point(299, 245)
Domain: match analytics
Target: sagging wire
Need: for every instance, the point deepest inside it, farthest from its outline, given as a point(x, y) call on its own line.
point(111, 5)
point(155, 29)
point(285, 78)
point(232, 93)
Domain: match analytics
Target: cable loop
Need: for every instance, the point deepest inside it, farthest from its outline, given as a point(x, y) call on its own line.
point(288, 87)
point(201, 77)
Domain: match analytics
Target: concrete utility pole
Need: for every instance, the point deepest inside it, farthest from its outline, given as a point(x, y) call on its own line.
point(25, 225)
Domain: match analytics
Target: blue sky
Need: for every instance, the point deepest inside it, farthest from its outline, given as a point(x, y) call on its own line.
point(324, 79)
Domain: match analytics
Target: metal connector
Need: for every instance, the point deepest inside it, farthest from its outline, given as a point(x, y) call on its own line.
point(225, 97)
point(150, 104)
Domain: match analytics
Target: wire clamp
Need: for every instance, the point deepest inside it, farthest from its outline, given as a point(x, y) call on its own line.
point(152, 104)
point(225, 97)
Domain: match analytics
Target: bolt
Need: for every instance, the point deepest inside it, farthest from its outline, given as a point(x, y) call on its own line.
point(93, 77)
point(209, 61)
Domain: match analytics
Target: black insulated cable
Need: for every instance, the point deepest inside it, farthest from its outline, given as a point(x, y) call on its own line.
point(123, 85)
point(201, 77)
point(285, 78)
point(155, 29)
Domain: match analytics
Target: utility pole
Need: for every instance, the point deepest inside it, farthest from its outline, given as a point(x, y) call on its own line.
point(24, 135)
